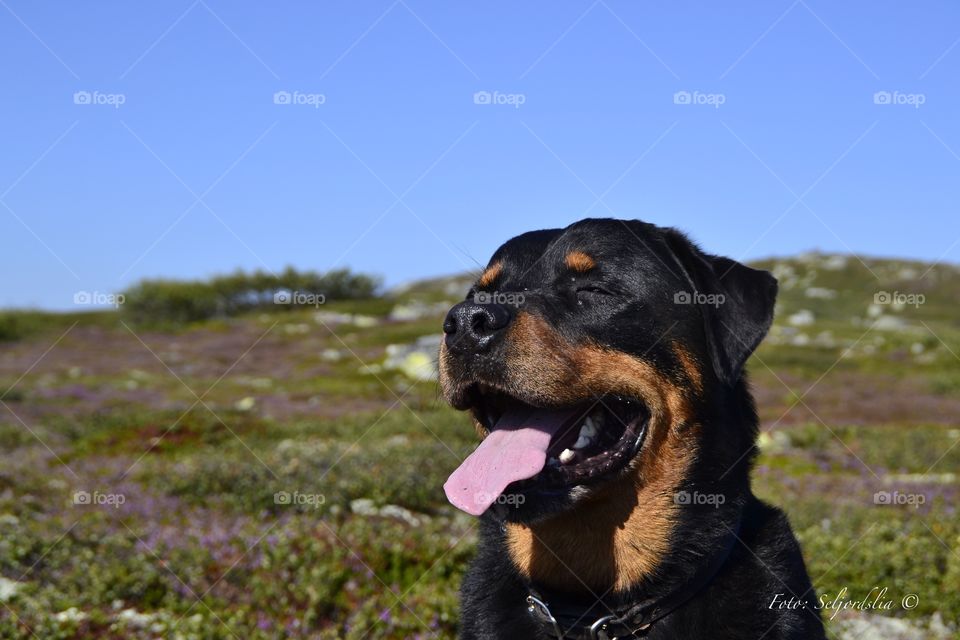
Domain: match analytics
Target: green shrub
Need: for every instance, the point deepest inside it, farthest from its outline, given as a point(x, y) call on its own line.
point(11, 327)
point(185, 301)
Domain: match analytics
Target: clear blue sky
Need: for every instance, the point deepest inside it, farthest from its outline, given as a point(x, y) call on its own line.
point(400, 172)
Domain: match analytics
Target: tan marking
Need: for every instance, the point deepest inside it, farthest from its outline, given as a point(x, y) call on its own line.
point(443, 365)
point(616, 536)
point(579, 261)
point(690, 367)
point(490, 274)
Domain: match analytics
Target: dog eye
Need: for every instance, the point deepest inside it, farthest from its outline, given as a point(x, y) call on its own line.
point(592, 288)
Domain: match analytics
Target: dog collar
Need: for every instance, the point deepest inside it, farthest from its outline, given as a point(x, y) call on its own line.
point(563, 618)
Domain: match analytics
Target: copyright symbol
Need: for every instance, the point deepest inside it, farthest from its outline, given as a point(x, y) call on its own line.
point(910, 601)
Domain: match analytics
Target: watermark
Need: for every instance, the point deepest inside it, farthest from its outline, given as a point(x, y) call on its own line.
point(299, 298)
point(699, 98)
point(299, 98)
point(877, 599)
point(899, 98)
point(899, 299)
point(85, 498)
point(514, 100)
point(697, 498)
point(695, 297)
point(98, 298)
point(296, 498)
point(509, 499)
point(99, 98)
point(506, 298)
point(895, 498)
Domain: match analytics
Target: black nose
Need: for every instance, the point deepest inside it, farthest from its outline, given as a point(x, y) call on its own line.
point(471, 327)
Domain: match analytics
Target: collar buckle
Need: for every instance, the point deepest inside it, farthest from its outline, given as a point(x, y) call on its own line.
point(598, 630)
point(539, 608)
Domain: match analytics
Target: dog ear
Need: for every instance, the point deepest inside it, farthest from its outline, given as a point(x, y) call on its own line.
point(737, 309)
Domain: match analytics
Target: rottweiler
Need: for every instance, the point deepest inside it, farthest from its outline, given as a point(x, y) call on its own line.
point(603, 367)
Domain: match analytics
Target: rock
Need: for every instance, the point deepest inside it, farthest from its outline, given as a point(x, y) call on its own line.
point(418, 360)
point(800, 340)
point(328, 318)
point(134, 618)
point(890, 323)
point(332, 317)
point(783, 270)
point(363, 507)
point(330, 355)
point(401, 513)
point(802, 318)
point(820, 293)
point(868, 626)
point(364, 322)
point(773, 441)
point(296, 329)
point(418, 310)
point(907, 273)
point(70, 615)
point(825, 339)
point(937, 627)
point(8, 589)
point(371, 369)
point(457, 287)
point(366, 507)
point(834, 263)
point(245, 404)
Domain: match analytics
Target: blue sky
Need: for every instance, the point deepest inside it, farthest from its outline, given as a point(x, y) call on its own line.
point(149, 139)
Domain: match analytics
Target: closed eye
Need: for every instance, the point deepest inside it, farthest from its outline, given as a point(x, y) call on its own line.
point(592, 288)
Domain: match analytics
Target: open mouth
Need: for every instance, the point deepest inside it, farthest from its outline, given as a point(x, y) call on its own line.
point(534, 448)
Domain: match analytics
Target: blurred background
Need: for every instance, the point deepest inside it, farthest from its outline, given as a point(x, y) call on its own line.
point(232, 230)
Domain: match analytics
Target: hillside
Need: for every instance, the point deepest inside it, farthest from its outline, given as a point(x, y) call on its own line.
point(280, 473)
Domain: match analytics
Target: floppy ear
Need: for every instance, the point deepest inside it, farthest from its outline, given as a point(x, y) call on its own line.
point(739, 313)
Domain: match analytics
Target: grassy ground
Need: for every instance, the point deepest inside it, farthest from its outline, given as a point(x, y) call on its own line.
point(267, 477)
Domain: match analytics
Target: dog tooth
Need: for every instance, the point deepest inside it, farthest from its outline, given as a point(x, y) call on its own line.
point(567, 455)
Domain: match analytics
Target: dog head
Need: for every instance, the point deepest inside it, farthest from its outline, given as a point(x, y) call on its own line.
point(589, 356)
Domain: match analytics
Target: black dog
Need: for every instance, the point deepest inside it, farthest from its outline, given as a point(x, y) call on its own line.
point(603, 366)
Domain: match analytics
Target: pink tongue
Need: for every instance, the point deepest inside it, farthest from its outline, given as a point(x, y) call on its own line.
point(516, 449)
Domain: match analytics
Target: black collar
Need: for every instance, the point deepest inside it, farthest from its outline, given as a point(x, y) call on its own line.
point(565, 618)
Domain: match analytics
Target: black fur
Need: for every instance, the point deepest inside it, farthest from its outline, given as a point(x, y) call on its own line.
point(628, 304)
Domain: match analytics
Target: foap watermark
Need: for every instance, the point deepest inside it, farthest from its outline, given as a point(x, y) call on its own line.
point(697, 498)
point(506, 298)
point(296, 498)
point(514, 100)
point(299, 98)
point(898, 499)
point(508, 499)
point(299, 298)
point(714, 100)
point(83, 498)
point(900, 98)
point(98, 298)
point(98, 98)
point(695, 297)
point(899, 299)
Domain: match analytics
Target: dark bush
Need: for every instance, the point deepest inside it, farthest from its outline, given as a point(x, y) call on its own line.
point(11, 327)
point(180, 301)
